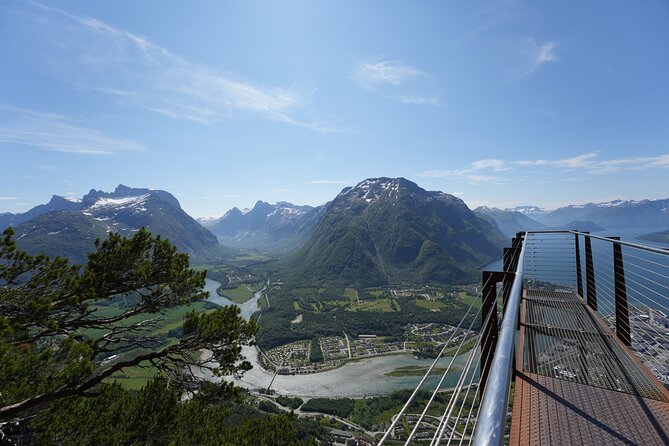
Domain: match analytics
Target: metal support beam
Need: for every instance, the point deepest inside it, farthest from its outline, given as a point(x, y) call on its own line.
point(489, 334)
point(590, 274)
point(489, 307)
point(579, 275)
point(620, 290)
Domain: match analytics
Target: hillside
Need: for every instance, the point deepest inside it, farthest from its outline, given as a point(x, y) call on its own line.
point(387, 230)
point(660, 237)
point(70, 232)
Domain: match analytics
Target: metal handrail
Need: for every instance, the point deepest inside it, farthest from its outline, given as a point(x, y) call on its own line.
point(491, 423)
point(648, 248)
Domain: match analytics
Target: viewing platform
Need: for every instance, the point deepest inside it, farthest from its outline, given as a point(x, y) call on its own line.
point(572, 349)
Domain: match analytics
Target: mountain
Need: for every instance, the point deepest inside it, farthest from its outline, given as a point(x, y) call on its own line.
point(68, 228)
point(660, 237)
point(270, 227)
point(583, 226)
point(57, 203)
point(611, 214)
point(389, 230)
point(508, 221)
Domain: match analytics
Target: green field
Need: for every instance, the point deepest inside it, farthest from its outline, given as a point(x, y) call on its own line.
point(238, 295)
point(351, 294)
point(382, 305)
point(376, 293)
point(467, 298)
point(430, 304)
point(168, 320)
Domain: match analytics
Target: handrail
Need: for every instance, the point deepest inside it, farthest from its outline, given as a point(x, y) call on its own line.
point(648, 248)
point(492, 416)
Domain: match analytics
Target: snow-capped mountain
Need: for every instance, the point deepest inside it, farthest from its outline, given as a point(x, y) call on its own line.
point(68, 227)
point(390, 230)
point(267, 226)
point(612, 214)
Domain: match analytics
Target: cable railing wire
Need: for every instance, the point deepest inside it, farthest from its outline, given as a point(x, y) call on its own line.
point(427, 374)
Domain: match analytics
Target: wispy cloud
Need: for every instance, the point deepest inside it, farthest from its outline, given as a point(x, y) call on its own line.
point(592, 163)
point(534, 55)
point(138, 72)
point(469, 175)
point(494, 170)
point(5, 198)
point(395, 80)
point(494, 164)
point(329, 182)
point(418, 100)
point(57, 133)
point(379, 71)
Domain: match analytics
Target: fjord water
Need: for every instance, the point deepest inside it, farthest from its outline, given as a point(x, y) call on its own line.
point(364, 377)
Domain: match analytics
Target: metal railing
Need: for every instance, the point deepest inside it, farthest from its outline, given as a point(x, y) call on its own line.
point(625, 284)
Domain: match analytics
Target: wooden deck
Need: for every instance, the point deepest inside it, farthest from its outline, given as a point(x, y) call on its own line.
point(576, 384)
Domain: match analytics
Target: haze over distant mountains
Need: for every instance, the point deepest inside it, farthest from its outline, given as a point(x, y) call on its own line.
point(68, 227)
point(587, 217)
point(270, 227)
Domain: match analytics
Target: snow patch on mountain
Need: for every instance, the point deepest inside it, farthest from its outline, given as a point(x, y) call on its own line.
point(121, 203)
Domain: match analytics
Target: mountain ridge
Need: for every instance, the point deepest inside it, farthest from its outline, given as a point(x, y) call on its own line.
point(389, 230)
point(67, 227)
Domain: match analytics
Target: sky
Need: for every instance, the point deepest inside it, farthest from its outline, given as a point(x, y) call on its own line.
point(223, 103)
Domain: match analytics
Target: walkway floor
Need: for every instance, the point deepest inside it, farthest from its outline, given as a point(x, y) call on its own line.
point(576, 384)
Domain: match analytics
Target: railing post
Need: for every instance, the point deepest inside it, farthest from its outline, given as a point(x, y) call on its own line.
point(620, 290)
point(579, 276)
point(489, 333)
point(590, 274)
point(510, 264)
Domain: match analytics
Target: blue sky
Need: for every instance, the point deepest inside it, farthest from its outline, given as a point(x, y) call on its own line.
point(224, 103)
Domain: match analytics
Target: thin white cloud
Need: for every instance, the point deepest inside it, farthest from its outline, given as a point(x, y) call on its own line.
point(329, 182)
point(57, 133)
point(534, 55)
point(140, 73)
point(469, 175)
point(494, 164)
point(6, 198)
point(546, 53)
point(591, 162)
point(492, 170)
point(418, 100)
point(379, 71)
point(396, 80)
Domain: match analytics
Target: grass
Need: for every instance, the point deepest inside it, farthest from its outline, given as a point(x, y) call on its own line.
point(376, 293)
point(351, 294)
point(172, 318)
point(416, 370)
point(430, 304)
point(382, 305)
point(238, 295)
point(133, 378)
point(468, 299)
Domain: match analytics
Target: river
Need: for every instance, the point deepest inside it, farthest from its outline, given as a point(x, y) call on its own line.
point(355, 379)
